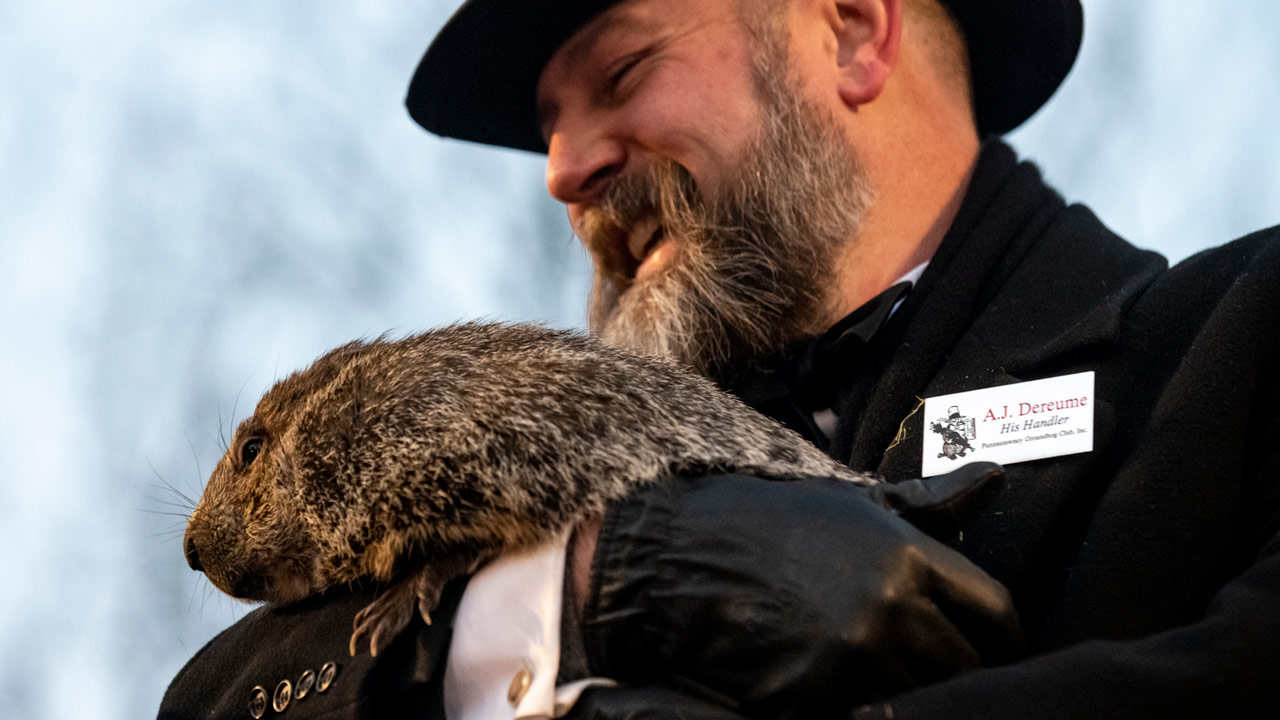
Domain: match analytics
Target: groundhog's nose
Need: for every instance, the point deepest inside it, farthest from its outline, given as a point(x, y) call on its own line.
point(193, 555)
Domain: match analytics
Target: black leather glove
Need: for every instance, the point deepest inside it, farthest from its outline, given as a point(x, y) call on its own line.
point(645, 703)
point(942, 506)
point(796, 599)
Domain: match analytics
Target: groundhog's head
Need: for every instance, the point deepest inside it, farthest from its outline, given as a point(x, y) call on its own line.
point(383, 455)
point(300, 501)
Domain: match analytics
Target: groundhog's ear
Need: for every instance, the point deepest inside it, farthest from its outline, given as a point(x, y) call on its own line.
point(327, 432)
point(348, 411)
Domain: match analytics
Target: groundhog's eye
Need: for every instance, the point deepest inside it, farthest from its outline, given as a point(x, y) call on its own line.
point(249, 450)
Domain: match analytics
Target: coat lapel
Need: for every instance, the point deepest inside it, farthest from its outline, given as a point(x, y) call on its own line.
point(1011, 295)
point(1022, 288)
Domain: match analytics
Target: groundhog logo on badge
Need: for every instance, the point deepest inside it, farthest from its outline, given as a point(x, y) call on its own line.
point(956, 431)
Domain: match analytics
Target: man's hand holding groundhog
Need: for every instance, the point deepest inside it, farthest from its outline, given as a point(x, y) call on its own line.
point(797, 599)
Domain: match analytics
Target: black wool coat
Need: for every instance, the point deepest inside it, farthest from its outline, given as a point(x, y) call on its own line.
point(1146, 573)
point(294, 662)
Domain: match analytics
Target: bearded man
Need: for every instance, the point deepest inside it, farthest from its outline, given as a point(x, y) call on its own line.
point(807, 200)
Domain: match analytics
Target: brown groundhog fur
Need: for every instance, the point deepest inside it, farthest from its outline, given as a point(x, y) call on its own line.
point(420, 459)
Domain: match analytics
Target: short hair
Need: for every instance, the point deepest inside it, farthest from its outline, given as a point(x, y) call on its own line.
point(943, 41)
point(928, 21)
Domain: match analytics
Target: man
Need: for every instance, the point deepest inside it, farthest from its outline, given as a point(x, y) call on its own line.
point(754, 179)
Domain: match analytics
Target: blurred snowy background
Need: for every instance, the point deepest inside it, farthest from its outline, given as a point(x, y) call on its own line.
point(196, 198)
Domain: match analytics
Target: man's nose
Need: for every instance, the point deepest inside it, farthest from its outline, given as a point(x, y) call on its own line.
point(579, 168)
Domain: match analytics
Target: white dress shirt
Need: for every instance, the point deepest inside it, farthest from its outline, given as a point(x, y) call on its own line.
point(505, 652)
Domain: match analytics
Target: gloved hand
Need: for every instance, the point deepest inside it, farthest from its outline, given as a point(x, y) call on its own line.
point(943, 505)
point(796, 599)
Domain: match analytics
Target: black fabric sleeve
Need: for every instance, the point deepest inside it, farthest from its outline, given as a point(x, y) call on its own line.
point(1221, 667)
point(306, 646)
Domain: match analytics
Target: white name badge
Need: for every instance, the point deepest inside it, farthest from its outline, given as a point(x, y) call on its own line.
point(1009, 424)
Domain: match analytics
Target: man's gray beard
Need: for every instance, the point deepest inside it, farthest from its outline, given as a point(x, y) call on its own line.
point(754, 271)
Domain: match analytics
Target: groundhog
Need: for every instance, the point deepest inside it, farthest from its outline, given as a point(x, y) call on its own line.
point(418, 460)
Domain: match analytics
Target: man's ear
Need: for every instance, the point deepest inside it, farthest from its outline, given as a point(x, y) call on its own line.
point(868, 35)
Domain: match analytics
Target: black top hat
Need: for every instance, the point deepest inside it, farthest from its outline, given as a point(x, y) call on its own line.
point(478, 78)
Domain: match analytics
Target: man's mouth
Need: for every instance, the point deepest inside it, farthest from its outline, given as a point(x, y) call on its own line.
point(647, 243)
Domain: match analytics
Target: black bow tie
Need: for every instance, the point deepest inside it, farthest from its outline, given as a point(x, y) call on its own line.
point(809, 376)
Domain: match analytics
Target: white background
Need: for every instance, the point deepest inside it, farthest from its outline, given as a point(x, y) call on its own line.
point(197, 197)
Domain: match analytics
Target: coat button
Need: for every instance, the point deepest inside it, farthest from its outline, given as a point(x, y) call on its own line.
point(258, 703)
point(519, 686)
point(284, 693)
point(327, 672)
point(306, 681)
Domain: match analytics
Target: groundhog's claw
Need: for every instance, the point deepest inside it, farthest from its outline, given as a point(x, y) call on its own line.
point(428, 591)
point(384, 618)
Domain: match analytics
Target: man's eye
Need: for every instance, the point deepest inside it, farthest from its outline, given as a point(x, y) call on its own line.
point(623, 67)
point(619, 74)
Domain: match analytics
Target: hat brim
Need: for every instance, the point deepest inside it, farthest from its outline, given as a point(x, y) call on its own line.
point(478, 79)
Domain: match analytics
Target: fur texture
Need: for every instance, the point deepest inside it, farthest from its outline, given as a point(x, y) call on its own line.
point(420, 459)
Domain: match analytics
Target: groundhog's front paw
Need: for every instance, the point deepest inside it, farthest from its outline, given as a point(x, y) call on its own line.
point(384, 618)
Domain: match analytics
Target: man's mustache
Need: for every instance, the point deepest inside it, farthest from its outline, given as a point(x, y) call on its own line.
point(665, 191)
